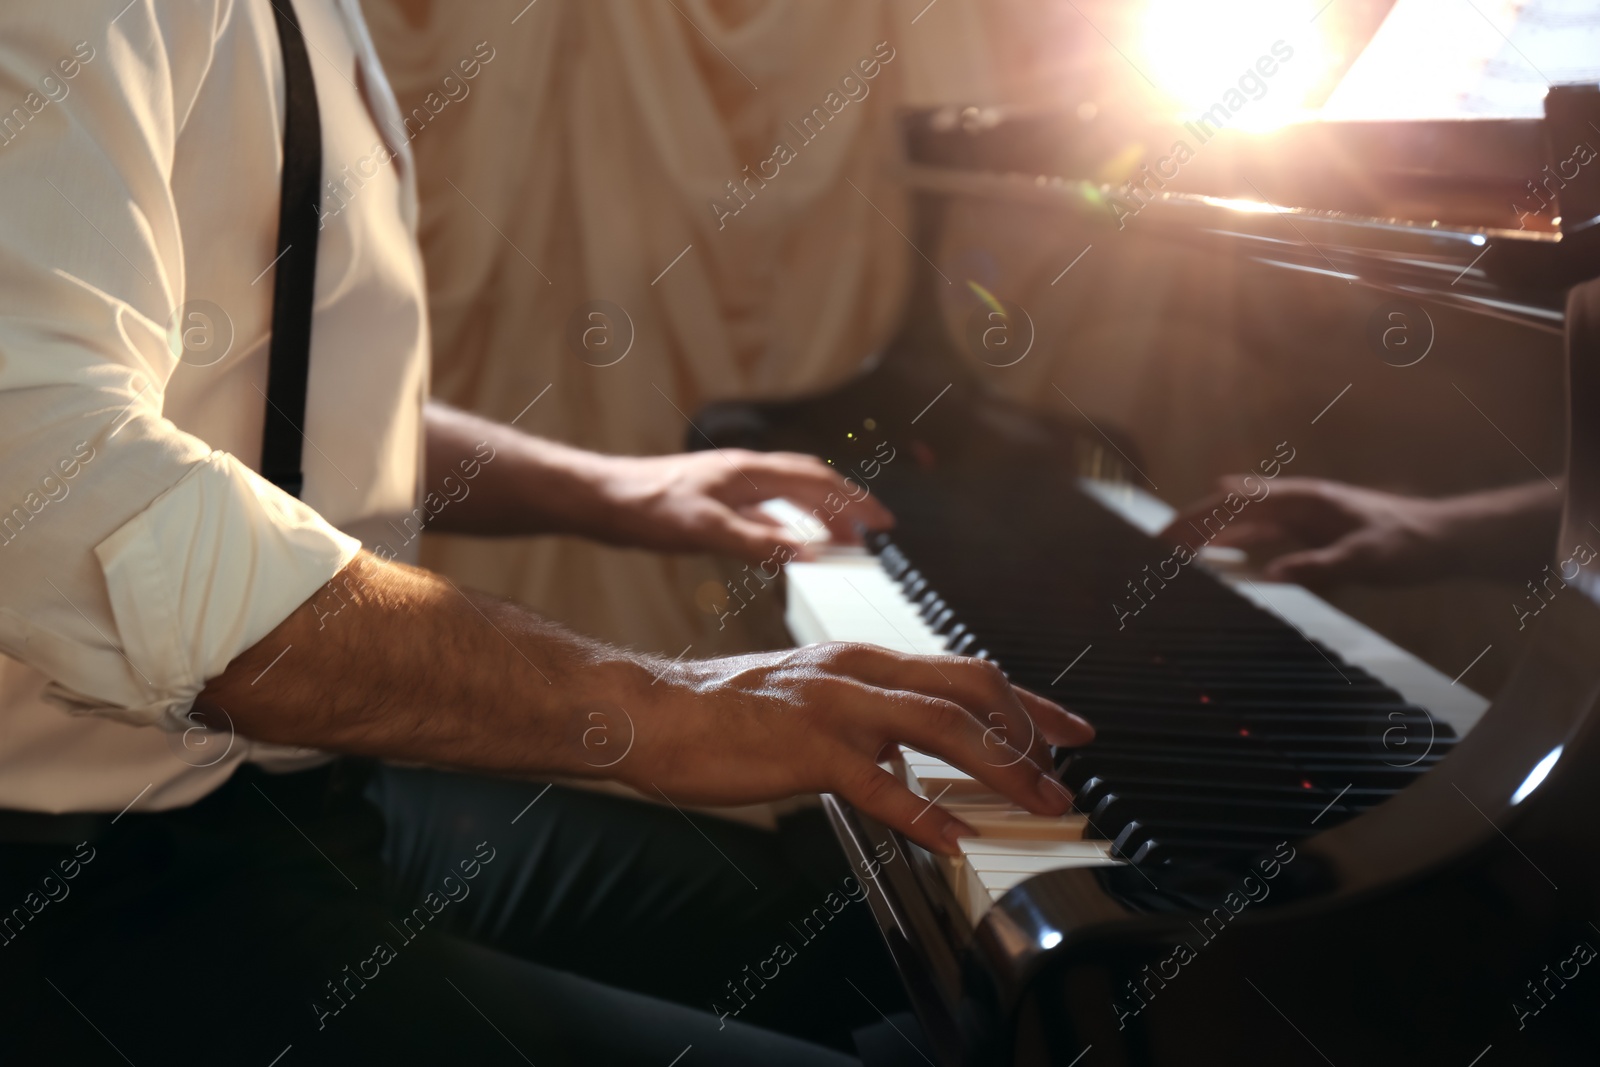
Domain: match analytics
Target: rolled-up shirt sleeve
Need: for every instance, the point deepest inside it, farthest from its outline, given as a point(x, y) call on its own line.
point(135, 561)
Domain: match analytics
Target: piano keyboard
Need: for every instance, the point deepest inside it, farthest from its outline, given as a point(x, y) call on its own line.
point(1231, 714)
point(1011, 843)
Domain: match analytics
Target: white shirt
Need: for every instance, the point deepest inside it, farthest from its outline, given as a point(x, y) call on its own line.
point(139, 553)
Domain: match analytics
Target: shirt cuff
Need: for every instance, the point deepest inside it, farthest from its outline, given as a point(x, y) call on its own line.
point(202, 574)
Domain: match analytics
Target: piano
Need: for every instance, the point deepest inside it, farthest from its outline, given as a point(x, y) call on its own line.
point(1293, 842)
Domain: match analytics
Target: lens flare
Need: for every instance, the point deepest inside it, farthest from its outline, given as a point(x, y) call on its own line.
point(1205, 53)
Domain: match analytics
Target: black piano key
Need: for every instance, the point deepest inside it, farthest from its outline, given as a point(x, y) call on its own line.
point(1090, 792)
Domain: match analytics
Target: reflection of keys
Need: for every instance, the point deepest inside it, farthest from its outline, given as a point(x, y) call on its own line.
point(1012, 845)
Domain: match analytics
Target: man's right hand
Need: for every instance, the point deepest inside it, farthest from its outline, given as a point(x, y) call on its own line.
point(818, 719)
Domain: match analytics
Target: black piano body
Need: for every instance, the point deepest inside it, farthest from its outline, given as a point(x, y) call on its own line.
point(1447, 917)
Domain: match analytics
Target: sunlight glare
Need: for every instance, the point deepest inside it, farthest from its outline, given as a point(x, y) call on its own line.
point(1199, 51)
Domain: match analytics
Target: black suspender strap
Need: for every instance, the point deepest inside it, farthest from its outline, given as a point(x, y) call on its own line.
point(295, 280)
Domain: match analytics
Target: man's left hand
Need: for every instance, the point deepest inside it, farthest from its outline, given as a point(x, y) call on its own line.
point(707, 502)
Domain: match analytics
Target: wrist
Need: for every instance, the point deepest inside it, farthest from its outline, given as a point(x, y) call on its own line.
point(612, 707)
point(604, 507)
point(568, 491)
point(619, 498)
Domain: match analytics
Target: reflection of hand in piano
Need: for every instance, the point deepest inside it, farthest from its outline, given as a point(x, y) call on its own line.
point(1316, 532)
point(818, 719)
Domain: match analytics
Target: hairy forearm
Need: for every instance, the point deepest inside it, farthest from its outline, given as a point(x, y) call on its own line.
point(491, 479)
point(395, 662)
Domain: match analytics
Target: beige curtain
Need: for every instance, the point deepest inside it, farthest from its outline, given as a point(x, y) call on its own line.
point(581, 164)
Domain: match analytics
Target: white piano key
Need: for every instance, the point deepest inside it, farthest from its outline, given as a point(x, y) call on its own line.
point(973, 896)
point(847, 596)
point(1066, 849)
point(1035, 859)
point(799, 522)
point(1016, 824)
point(989, 813)
point(931, 767)
point(936, 778)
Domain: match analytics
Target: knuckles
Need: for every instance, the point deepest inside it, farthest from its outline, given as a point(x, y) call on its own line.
point(946, 718)
point(987, 677)
point(994, 677)
point(842, 657)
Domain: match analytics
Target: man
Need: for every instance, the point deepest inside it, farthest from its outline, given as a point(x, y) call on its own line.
point(184, 895)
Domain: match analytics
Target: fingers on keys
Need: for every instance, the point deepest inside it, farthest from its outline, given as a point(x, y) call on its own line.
point(879, 794)
point(1012, 716)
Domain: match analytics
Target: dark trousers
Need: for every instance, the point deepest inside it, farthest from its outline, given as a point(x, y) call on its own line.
point(358, 915)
